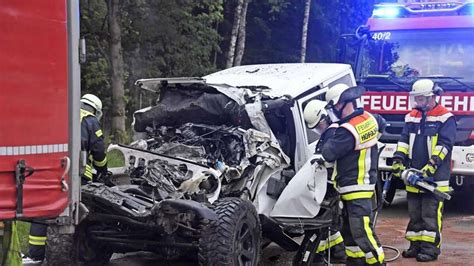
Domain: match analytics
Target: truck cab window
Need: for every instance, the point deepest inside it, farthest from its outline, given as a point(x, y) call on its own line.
point(405, 54)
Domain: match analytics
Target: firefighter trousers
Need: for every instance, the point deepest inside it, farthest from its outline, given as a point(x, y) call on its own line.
point(37, 241)
point(424, 228)
point(331, 239)
point(362, 245)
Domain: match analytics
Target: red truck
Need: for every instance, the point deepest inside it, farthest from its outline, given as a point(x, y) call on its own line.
point(39, 112)
point(407, 40)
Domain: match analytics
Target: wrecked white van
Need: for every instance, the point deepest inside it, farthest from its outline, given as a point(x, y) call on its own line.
point(218, 163)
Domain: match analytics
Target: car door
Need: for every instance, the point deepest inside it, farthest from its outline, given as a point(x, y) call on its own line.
point(310, 136)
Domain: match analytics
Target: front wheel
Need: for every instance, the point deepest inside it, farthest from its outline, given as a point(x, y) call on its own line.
point(74, 249)
point(234, 238)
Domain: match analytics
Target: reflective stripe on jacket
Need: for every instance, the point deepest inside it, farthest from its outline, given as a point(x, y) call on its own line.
point(92, 141)
point(425, 136)
point(354, 150)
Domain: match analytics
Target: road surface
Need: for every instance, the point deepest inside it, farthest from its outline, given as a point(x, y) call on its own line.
point(457, 245)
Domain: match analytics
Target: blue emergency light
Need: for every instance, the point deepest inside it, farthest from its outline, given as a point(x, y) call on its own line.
point(386, 12)
point(397, 10)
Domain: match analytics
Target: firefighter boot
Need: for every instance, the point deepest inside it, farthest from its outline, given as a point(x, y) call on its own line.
point(421, 257)
point(412, 251)
point(338, 254)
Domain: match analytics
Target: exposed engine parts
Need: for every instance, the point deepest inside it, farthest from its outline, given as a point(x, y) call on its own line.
point(203, 144)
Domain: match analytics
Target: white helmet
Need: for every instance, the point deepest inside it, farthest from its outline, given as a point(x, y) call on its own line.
point(342, 93)
point(94, 102)
point(421, 92)
point(314, 112)
point(425, 87)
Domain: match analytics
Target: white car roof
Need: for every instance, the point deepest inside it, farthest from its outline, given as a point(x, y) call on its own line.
point(281, 79)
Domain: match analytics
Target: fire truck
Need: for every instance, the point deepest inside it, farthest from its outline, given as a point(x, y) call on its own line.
point(407, 40)
point(39, 113)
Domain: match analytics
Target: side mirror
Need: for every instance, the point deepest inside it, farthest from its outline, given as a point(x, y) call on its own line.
point(362, 32)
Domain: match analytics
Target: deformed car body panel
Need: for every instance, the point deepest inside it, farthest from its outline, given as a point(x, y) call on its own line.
point(304, 194)
point(258, 146)
point(274, 80)
point(135, 158)
point(277, 80)
point(237, 133)
point(250, 90)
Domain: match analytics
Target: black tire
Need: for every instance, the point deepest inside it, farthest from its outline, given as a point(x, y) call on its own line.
point(88, 251)
point(59, 248)
point(234, 238)
point(74, 249)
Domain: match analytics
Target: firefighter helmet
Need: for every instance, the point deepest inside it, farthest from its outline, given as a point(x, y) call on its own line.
point(425, 87)
point(421, 93)
point(341, 93)
point(314, 112)
point(94, 102)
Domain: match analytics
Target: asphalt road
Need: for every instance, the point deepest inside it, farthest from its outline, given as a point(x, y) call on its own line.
point(457, 245)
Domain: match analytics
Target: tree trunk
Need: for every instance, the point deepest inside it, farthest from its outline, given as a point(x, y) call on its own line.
point(117, 71)
point(241, 37)
point(216, 50)
point(233, 37)
point(305, 31)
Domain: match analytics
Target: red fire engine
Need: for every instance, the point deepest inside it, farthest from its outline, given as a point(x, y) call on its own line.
point(407, 40)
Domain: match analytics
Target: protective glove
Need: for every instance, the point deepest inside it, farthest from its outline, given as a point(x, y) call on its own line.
point(412, 179)
point(397, 168)
point(322, 162)
point(318, 161)
point(429, 169)
point(106, 178)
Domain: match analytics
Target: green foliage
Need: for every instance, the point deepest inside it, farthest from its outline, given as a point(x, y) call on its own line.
point(159, 38)
point(23, 229)
point(115, 159)
point(331, 18)
point(277, 6)
point(162, 38)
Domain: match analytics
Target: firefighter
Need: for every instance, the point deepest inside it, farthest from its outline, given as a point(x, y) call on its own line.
point(92, 141)
point(317, 119)
point(10, 254)
point(37, 241)
point(92, 138)
point(353, 148)
point(426, 144)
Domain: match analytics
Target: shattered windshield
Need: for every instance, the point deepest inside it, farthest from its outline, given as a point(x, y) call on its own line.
point(408, 54)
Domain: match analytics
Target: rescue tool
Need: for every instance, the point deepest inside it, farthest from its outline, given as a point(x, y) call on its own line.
point(415, 174)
